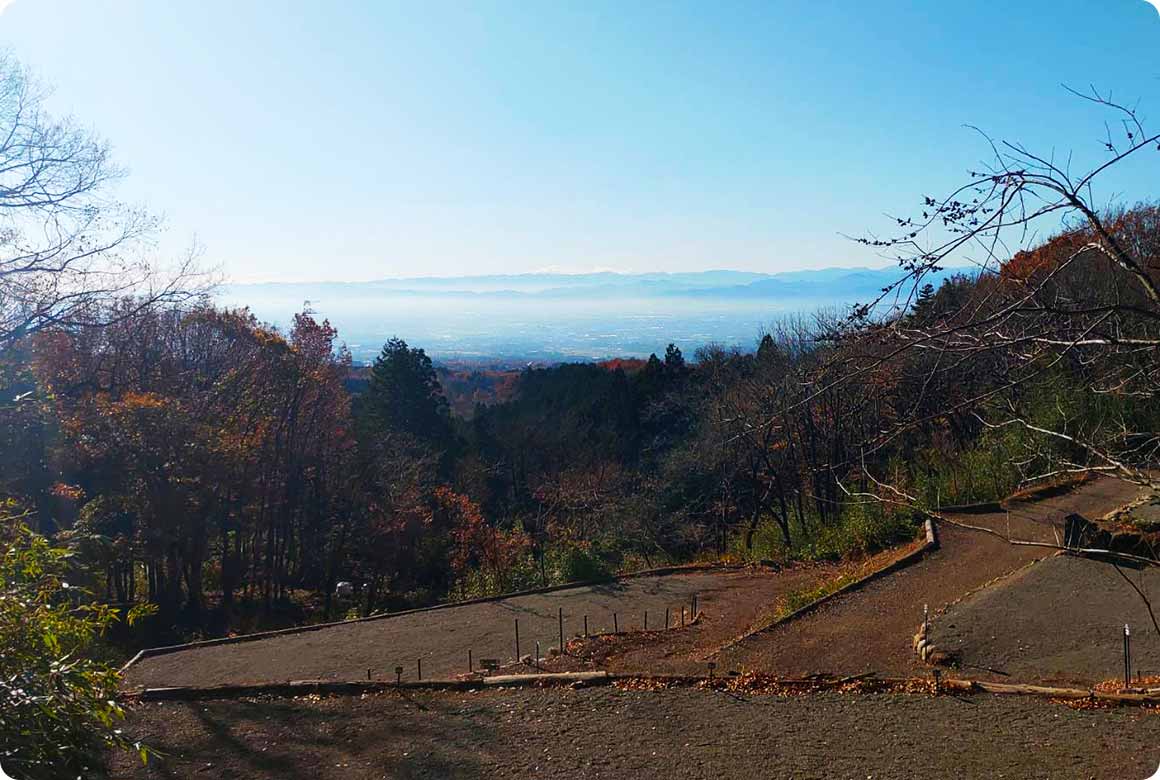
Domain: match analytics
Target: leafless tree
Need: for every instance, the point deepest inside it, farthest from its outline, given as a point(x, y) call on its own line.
point(1085, 304)
point(66, 247)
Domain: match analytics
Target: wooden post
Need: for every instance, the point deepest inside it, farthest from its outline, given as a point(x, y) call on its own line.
point(560, 619)
point(518, 656)
point(585, 626)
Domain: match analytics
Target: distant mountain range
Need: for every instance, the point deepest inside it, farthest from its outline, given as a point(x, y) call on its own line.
point(554, 317)
point(835, 283)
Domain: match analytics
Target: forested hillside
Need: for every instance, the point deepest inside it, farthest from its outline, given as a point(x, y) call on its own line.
point(226, 473)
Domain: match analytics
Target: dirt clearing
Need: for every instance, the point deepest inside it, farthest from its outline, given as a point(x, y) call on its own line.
point(614, 734)
point(1060, 621)
point(731, 600)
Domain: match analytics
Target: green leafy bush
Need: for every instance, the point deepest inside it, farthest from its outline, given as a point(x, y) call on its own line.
point(523, 574)
point(983, 472)
point(577, 562)
point(861, 528)
point(563, 562)
point(58, 711)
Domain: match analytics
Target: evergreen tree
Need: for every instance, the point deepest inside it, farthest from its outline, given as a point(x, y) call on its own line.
point(404, 395)
point(767, 349)
point(923, 306)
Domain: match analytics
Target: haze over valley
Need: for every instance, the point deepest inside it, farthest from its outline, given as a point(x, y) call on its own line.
point(556, 317)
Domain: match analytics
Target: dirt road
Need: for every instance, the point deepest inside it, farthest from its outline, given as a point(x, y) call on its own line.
point(613, 734)
point(870, 629)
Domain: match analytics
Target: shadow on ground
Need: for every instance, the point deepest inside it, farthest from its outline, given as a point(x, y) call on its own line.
point(610, 734)
point(308, 738)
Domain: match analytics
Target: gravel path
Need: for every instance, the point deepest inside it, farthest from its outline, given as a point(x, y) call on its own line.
point(613, 734)
point(870, 629)
point(1060, 621)
point(732, 601)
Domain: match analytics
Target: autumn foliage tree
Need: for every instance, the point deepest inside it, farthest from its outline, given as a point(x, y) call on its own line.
point(199, 435)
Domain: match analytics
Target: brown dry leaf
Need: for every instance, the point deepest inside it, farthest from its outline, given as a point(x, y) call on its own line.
point(1116, 685)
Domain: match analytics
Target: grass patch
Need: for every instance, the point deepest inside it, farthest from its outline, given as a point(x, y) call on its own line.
point(802, 597)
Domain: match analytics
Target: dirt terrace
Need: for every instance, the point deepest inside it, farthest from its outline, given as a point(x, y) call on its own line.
point(609, 733)
point(731, 599)
point(869, 630)
point(1059, 622)
point(864, 631)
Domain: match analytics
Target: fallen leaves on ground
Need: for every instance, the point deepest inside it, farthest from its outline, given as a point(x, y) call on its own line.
point(1146, 684)
point(763, 684)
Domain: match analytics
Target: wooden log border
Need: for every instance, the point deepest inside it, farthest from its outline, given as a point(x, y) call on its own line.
point(981, 508)
point(872, 684)
point(1030, 494)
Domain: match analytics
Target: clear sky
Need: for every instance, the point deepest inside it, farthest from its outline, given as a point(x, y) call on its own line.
point(357, 140)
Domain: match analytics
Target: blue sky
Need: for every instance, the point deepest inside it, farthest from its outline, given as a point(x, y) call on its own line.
point(358, 140)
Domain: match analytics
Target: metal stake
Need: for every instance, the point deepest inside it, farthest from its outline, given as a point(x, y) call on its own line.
point(1127, 656)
